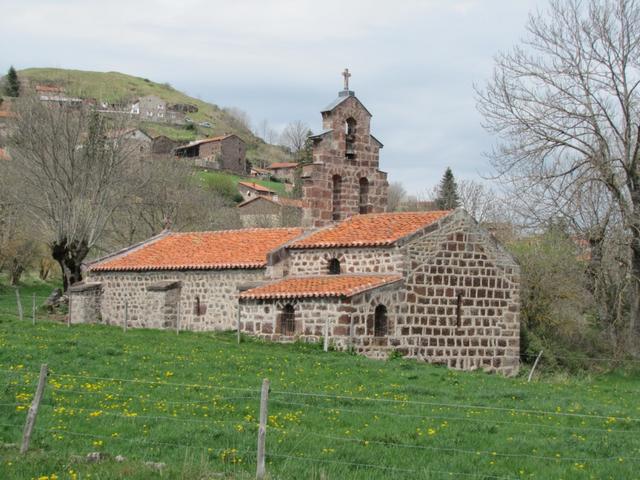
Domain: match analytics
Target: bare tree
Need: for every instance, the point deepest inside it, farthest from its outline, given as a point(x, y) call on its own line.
point(68, 174)
point(238, 118)
point(294, 136)
point(479, 201)
point(264, 131)
point(565, 106)
point(396, 194)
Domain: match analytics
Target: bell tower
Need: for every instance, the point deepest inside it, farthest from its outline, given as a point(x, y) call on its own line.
point(343, 179)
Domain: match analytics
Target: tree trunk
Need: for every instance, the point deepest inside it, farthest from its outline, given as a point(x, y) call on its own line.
point(70, 256)
point(16, 272)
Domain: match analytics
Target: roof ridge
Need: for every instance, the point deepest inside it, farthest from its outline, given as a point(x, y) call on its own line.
point(234, 230)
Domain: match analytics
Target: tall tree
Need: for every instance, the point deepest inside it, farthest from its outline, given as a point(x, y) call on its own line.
point(447, 197)
point(566, 107)
point(69, 176)
point(12, 85)
point(294, 137)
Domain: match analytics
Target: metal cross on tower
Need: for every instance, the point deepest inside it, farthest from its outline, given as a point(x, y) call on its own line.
point(346, 76)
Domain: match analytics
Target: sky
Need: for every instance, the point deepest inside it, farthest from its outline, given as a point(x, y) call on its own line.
point(414, 63)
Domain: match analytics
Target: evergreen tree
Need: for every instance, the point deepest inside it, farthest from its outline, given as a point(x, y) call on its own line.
point(12, 86)
point(447, 198)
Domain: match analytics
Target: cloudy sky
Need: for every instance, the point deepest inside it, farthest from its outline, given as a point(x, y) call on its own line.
point(414, 62)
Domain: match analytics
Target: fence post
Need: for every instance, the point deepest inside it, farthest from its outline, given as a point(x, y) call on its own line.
point(20, 313)
point(238, 323)
point(262, 430)
point(535, 364)
point(325, 347)
point(69, 310)
point(33, 409)
point(178, 317)
point(126, 315)
point(33, 309)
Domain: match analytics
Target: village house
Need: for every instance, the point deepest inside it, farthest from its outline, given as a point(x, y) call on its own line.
point(151, 108)
point(250, 190)
point(225, 152)
point(284, 171)
point(433, 286)
point(270, 211)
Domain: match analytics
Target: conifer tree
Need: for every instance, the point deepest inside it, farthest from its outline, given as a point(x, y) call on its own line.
point(447, 198)
point(12, 86)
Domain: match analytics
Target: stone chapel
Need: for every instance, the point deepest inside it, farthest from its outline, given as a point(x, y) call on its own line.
point(433, 286)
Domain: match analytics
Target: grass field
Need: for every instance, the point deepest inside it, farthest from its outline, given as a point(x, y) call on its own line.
point(191, 401)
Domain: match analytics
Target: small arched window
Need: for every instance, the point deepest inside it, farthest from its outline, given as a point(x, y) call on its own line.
point(288, 320)
point(363, 199)
point(334, 266)
point(380, 321)
point(336, 196)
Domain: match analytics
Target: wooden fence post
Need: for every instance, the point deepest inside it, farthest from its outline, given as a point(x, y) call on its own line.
point(238, 323)
point(69, 311)
point(535, 364)
point(20, 313)
point(126, 315)
point(325, 347)
point(178, 317)
point(262, 430)
point(33, 309)
point(33, 409)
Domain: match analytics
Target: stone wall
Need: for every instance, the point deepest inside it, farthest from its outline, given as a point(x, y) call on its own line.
point(216, 291)
point(85, 301)
point(352, 260)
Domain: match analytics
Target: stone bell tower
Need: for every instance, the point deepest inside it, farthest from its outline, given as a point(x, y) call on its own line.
point(343, 179)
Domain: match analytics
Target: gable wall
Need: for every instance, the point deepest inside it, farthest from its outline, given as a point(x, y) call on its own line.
point(460, 258)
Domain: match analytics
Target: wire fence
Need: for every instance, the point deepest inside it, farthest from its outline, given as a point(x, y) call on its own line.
point(222, 424)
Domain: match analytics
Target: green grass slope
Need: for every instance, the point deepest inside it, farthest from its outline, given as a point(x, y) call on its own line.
point(191, 401)
point(115, 87)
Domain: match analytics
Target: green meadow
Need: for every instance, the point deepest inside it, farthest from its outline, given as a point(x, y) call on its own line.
point(191, 401)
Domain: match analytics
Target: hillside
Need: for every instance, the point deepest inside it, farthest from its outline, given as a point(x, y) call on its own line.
point(119, 88)
point(191, 402)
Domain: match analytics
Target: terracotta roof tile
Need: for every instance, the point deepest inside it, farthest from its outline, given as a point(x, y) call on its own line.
point(247, 248)
point(375, 229)
point(319, 286)
point(256, 186)
point(282, 165)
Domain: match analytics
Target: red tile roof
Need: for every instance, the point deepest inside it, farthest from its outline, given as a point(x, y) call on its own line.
point(256, 186)
point(320, 286)
point(206, 140)
point(247, 248)
point(375, 229)
point(284, 201)
point(282, 165)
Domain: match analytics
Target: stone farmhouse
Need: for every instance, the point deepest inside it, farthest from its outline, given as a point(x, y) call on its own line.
point(250, 190)
point(270, 211)
point(432, 286)
point(225, 152)
point(283, 171)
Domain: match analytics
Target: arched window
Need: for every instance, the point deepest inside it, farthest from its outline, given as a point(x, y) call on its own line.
point(337, 193)
point(364, 195)
point(288, 320)
point(380, 321)
point(350, 138)
point(334, 266)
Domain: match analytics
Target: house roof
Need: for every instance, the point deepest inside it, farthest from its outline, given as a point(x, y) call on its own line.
point(256, 186)
point(371, 230)
point(6, 114)
point(282, 165)
point(343, 95)
point(284, 201)
point(206, 140)
point(247, 248)
point(319, 286)
point(4, 155)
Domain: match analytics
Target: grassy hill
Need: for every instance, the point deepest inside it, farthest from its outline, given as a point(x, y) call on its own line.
point(191, 401)
point(115, 87)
